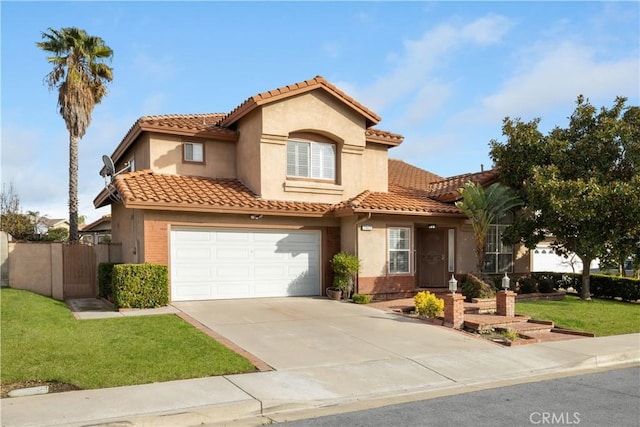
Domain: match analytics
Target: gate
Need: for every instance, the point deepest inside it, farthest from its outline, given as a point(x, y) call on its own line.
point(79, 271)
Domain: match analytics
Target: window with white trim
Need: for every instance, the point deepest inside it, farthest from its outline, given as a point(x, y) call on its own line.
point(193, 152)
point(399, 243)
point(498, 257)
point(310, 159)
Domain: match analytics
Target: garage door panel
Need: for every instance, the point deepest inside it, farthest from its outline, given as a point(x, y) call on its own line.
point(209, 263)
point(191, 272)
point(193, 254)
point(238, 255)
point(190, 290)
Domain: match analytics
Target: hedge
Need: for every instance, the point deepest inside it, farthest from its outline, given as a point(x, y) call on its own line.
point(600, 285)
point(105, 277)
point(140, 285)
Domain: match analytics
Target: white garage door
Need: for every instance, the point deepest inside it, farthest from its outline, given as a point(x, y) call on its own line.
point(212, 263)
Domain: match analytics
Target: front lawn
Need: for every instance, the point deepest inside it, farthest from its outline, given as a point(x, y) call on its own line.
point(601, 317)
point(42, 342)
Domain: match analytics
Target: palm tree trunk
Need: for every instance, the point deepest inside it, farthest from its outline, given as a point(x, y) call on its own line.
point(73, 188)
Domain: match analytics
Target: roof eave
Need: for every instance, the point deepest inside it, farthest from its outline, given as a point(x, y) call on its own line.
point(221, 209)
point(408, 212)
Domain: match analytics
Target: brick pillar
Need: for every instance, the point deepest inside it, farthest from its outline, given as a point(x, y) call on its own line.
point(454, 311)
point(506, 303)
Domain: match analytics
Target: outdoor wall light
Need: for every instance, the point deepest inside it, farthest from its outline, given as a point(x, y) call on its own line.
point(431, 226)
point(453, 284)
point(505, 282)
point(255, 216)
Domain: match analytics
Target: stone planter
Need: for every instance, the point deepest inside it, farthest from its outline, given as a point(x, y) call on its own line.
point(335, 294)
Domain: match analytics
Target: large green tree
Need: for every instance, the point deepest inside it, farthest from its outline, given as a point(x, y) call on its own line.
point(483, 207)
point(580, 184)
point(80, 76)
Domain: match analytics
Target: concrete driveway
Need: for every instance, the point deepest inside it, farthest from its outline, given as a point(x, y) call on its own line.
point(293, 333)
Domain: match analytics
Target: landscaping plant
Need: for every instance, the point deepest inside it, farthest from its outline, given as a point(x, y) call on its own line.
point(427, 304)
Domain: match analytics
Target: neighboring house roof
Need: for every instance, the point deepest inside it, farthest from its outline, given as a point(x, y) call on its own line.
point(446, 190)
point(55, 222)
point(146, 189)
point(101, 224)
point(295, 89)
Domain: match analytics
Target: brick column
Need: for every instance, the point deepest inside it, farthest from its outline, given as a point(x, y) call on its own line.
point(454, 311)
point(506, 303)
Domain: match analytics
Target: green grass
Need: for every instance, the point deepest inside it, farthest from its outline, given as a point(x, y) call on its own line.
point(601, 317)
point(41, 341)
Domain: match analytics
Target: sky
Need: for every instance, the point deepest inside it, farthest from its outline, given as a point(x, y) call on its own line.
point(442, 74)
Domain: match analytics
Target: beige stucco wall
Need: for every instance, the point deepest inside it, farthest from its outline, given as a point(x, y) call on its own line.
point(166, 152)
point(375, 167)
point(248, 162)
point(522, 259)
point(127, 231)
point(466, 253)
point(319, 113)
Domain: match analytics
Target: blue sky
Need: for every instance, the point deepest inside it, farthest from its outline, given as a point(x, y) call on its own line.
point(443, 74)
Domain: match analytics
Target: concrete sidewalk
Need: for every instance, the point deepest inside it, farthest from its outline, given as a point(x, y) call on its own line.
point(284, 394)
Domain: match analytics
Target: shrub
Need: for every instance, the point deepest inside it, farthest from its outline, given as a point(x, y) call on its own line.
point(473, 287)
point(344, 267)
point(140, 285)
point(601, 286)
point(427, 304)
point(546, 285)
point(528, 285)
point(105, 273)
point(361, 298)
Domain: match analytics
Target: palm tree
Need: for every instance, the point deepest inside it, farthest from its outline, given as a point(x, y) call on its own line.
point(483, 207)
point(79, 74)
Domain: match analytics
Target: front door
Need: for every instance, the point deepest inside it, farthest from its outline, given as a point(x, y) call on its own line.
point(432, 258)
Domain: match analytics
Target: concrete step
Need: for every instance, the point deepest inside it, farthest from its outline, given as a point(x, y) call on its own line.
point(528, 327)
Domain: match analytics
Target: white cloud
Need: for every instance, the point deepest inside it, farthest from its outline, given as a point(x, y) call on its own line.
point(415, 66)
point(554, 78)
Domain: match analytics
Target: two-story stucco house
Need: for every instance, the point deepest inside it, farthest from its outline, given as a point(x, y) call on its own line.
point(255, 202)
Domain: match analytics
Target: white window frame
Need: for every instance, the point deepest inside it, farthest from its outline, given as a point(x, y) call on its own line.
point(496, 249)
point(393, 250)
point(311, 159)
point(197, 152)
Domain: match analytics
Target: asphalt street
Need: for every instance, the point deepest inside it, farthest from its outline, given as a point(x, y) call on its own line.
point(604, 399)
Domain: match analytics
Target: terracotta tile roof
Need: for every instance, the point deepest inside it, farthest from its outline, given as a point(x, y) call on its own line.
point(198, 125)
point(399, 200)
point(447, 189)
point(159, 191)
point(383, 137)
point(409, 176)
point(284, 92)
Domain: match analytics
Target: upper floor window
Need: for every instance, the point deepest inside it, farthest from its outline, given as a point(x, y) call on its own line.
point(132, 164)
point(193, 152)
point(310, 159)
point(498, 257)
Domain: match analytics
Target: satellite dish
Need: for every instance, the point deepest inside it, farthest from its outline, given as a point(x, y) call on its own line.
point(109, 168)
